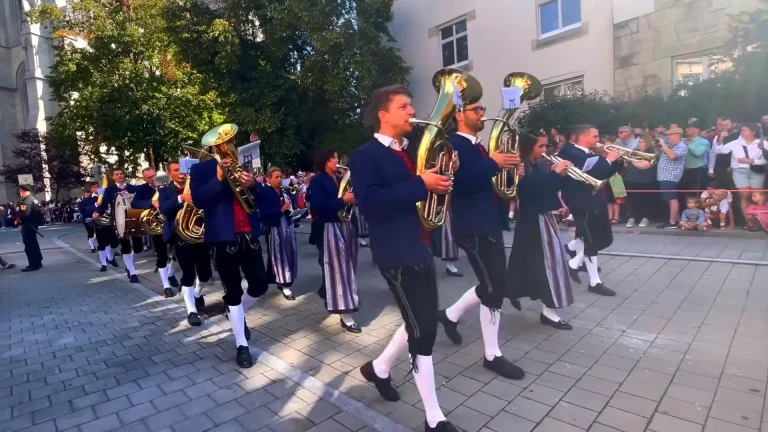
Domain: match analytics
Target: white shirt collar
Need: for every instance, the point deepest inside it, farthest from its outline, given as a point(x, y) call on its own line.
point(473, 139)
point(584, 149)
point(391, 142)
point(122, 186)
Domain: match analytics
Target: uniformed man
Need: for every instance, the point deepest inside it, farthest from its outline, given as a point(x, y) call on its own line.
point(30, 217)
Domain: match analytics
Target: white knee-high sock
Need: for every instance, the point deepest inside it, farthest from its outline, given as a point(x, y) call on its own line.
point(163, 272)
point(550, 313)
point(103, 257)
point(199, 287)
point(594, 276)
point(489, 324)
point(388, 358)
point(128, 260)
point(425, 383)
point(189, 299)
point(247, 301)
point(110, 252)
point(92, 242)
point(237, 321)
point(576, 245)
point(467, 301)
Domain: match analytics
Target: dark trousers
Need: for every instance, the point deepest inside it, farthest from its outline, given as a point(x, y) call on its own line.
point(161, 251)
point(194, 261)
point(105, 236)
point(232, 257)
point(415, 291)
point(487, 256)
point(593, 227)
point(89, 230)
point(640, 204)
point(695, 179)
point(31, 247)
point(131, 244)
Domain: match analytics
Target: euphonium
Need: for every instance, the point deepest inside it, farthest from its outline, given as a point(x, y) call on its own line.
point(221, 138)
point(579, 175)
point(434, 149)
point(630, 155)
point(345, 185)
point(503, 137)
point(151, 219)
point(190, 224)
point(106, 218)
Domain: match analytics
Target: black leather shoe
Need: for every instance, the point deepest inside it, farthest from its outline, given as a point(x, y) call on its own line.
point(573, 273)
point(168, 293)
point(443, 426)
point(134, 279)
point(383, 385)
point(287, 296)
point(583, 268)
point(450, 327)
point(568, 251)
point(194, 319)
point(200, 303)
point(243, 357)
point(453, 273)
point(113, 262)
point(352, 328)
point(560, 325)
point(173, 281)
point(93, 250)
point(516, 304)
point(602, 290)
point(31, 269)
point(103, 268)
point(504, 368)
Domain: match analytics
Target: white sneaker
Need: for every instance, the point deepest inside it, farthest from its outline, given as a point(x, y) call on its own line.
point(631, 223)
point(644, 222)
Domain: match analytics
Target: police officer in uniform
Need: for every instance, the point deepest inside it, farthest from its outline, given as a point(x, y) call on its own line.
point(29, 219)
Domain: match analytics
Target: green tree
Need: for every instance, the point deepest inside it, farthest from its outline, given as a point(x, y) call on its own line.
point(128, 92)
point(564, 111)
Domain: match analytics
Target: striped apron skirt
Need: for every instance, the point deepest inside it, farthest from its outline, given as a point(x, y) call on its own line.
point(282, 251)
point(361, 226)
point(537, 266)
point(443, 244)
point(340, 248)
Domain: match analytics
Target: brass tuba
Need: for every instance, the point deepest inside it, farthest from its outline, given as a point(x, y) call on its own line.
point(222, 139)
point(434, 149)
point(106, 218)
point(630, 155)
point(151, 218)
point(190, 224)
point(345, 185)
point(503, 137)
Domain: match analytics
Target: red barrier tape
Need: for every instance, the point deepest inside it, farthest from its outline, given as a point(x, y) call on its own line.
point(697, 191)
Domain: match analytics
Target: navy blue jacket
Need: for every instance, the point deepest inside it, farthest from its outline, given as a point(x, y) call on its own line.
point(109, 196)
point(86, 207)
point(270, 209)
point(387, 194)
point(324, 200)
point(169, 207)
point(143, 197)
point(216, 199)
point(579, 195)
point(474, 203)
point(537, 190)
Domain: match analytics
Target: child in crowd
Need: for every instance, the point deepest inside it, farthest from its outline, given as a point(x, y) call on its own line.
point(757, 213)
point(717, 203)
point(693, 217)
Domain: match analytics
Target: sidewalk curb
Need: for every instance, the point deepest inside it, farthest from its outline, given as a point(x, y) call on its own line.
point(313, 385)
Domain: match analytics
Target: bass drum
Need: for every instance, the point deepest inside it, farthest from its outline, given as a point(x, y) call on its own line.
point(127, 219)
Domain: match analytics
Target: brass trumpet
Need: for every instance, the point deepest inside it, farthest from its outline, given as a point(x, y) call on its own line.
point(577, 174)
point(630, 155)
point(345, 185)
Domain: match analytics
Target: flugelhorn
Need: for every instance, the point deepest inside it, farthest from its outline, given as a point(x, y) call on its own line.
point(577, 174)
point(345, 185)
point(630, 155)
point(151, 219)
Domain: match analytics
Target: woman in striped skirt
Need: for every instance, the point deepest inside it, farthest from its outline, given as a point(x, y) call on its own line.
point(537, 264)
point(274, 209)
point(337, 246)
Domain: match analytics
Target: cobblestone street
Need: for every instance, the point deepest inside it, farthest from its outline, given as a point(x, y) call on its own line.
point(682, 347)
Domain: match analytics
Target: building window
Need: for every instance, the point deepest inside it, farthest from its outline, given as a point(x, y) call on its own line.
point(454, 46)
point(564, 88)
point(21, 87)
point(691, 70)
point(558, 15)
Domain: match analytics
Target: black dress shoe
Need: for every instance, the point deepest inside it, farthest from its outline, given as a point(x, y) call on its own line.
point(173, 281)
point(168, 292)
point(560, 325)
point(504, 368)
point(31, 268)
point(352, 328)
point(516, 304)
point(443, 426)
point(194, 319)
point(93, 250)
point(453, 273)
point(583, 268)
point(602, 290)
point(383, 385)
point(134, 279)
point(103, 268)
point(243, 357)
point(573, 273)
point(450, 327)
point(200, 303)
point(113, 262)
point(288, 296)
point(570, 253)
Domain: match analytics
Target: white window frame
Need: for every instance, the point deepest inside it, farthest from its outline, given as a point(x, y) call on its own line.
point(706, 64)
point(564, 82)
point(441, 41)
point(561, 29)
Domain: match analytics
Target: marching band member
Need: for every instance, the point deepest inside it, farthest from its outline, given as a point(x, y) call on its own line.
point(128, 245)
point(589, 210)
point(194, 259)
point(361, 227)
point(338, 245)
point(537, 264)
point(232, 232)
point(143, 200)
point(387, 189)
point(275, 207)
point(86, 207)
point(478, 230)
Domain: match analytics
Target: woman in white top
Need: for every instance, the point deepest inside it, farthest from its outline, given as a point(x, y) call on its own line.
point(746, 152)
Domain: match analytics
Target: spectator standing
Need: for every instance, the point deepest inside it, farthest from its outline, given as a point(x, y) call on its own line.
point(719, 164)
point(626, 139)
point(696, 168)
point(640, 176)
point(670, 171)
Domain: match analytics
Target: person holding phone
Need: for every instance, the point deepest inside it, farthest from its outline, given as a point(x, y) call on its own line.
point(669, 172)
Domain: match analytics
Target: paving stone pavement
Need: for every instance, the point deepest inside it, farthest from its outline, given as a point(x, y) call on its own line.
point(681, 348)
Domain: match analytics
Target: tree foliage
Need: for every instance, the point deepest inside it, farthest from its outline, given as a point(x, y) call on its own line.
point(36, 151)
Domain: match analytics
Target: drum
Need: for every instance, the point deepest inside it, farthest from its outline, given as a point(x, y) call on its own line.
point(127, 219)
